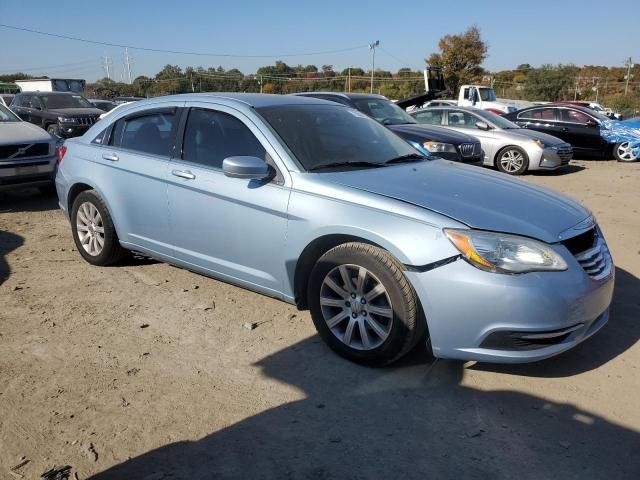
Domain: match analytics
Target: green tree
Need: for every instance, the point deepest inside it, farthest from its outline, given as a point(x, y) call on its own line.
point(549, 82)
point(460, 57)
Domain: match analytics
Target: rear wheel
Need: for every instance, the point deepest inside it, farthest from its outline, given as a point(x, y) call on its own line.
point(512, 160)
point(93, 230)
point(624, 153)
point(363, 306)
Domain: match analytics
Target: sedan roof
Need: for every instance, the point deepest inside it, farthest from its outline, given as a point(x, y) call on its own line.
point(257, 100)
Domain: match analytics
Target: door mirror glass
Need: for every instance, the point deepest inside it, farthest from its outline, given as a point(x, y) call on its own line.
point(246, 167)
point(482, 125)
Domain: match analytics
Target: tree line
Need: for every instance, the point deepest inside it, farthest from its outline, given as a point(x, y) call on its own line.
point(460, 56)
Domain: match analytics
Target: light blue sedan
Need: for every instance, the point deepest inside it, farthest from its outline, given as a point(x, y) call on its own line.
point(316, 204)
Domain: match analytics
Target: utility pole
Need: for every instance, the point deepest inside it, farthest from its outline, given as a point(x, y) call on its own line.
point(629, 66)
point(349, 79)
point(107, 66)
point(372, 47)
point(127, 63)
point(260, 82)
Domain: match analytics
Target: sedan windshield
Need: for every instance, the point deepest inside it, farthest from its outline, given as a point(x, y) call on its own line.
point(327, 136)
point(65, 101)
point(7, 116)
point(383, 110)
point(497, 120)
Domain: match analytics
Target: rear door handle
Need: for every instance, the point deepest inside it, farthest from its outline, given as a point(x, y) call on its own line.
point(565, 129)
point(112, 157)
point(183, 174)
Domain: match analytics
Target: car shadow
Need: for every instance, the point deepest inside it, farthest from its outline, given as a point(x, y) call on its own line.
point(621, 333)
point(27, 200)
point(416, 420)
point(8, 242)
point(567, 169)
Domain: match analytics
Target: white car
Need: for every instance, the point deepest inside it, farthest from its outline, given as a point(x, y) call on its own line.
point(507, 147)
point(27, 153)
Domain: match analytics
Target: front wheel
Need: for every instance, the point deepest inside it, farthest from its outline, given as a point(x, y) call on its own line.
point(93, 231)
point(363, 306)
point(512, 160)
point(624, 153)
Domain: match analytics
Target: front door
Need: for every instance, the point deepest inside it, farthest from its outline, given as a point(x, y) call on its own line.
point(579, 129)
point(232, 227)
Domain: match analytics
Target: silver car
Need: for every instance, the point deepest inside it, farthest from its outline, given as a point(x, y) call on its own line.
point(317, 204)
point(27, 153)
point(507, 147)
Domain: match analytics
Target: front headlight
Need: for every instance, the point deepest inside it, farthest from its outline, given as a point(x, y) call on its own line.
point(438, 147)
point(66, 120)
point(539, 143)
point(503, 253)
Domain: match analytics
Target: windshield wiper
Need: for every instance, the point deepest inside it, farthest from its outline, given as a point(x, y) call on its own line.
point(410, 157)
point(345, 164)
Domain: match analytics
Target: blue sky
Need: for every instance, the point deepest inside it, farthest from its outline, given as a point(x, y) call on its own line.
point(535, 32)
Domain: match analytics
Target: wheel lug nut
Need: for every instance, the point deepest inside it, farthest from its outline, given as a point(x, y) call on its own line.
point(362, 300)
point(364, 314)
point(353, 295)
point(348, 304)
point(354, 315)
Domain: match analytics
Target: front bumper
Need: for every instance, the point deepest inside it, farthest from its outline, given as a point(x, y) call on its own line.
point(69, 130)
point(483, 316)
point(456, 157)
point(553, 158)
point(27, 173)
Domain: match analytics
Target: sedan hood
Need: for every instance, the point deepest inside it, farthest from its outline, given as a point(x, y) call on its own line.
point(422, 133)
point(76, 112)
point(22, 132)
point(477, 197)
point(532, 134)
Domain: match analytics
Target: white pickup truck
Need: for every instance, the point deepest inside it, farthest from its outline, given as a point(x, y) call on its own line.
point(483, 97)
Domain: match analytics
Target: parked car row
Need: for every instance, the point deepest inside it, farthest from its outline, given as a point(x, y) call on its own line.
point(325, 207)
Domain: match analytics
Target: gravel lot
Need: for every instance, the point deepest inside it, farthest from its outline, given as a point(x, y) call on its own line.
point(146, 371)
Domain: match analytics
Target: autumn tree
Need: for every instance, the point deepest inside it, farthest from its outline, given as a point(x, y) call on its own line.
point(460, 57)
point(550, 82)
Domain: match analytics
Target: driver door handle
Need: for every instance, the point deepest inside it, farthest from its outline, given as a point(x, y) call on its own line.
point(565, 129)
point(112, 157)
point(183, 174)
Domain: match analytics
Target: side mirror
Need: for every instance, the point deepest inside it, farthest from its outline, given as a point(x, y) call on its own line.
point(482, 126)
point(591, 123)
point(246, 167)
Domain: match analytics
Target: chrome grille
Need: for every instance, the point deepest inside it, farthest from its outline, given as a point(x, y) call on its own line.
point(23, 150)
point(596, 261)
point(470, 149)
point(87, 120)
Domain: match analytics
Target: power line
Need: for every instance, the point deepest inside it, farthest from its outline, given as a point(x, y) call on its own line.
point(177, 52)
point(30, 69)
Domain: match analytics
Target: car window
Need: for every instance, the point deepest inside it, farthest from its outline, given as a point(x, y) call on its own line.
point(573, 116)
point(539, 114)
point(384, 111)
point(433, 117)
point(17, 102)
point(152, 133)
point(34, 102)
point(461, 119)
point(211, 136)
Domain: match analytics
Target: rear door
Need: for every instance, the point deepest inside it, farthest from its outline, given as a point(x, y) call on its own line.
point(230, 226)
point(134, 158)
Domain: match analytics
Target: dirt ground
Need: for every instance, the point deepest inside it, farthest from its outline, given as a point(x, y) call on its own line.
point(145, 371)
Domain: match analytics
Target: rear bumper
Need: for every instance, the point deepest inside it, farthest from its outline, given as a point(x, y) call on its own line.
point(482, 316)
point(26, 173)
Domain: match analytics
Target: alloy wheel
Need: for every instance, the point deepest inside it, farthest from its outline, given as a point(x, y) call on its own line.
point(90, 229)
point(624, 152)
point(511, 161)
point(356, 307)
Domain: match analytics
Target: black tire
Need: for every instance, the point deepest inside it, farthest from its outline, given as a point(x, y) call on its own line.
point(504, 169)
point(408, 324)
point(111, 251)
point(53, 129)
